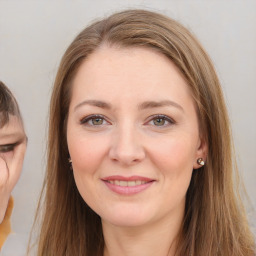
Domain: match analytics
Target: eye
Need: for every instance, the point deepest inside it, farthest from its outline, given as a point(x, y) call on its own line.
point(94, 120)
point(7, 148)
point(161, 121)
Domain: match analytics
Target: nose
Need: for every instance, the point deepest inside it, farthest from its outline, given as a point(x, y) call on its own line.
point(127, 147)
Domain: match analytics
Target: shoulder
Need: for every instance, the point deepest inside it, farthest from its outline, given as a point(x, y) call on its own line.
point(5, 226)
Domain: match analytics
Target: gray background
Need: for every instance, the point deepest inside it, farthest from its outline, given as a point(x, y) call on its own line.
point(34, 35)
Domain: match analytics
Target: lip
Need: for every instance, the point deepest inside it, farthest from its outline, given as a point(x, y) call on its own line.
point(143, 184)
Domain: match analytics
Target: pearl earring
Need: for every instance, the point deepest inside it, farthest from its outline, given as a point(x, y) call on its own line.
point(70, 164)
point(200, 161)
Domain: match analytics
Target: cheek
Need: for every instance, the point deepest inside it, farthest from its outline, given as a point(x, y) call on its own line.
point(7, 156)
point(174, 154)
point(174, 160)
point(86, 152)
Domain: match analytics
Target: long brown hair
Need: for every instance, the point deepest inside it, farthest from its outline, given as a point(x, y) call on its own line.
point(215, 221)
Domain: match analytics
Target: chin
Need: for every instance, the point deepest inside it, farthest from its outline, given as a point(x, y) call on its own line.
point(127, 222)
point(127, 218)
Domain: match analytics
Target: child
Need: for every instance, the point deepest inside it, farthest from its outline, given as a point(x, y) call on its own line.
point(13, 142)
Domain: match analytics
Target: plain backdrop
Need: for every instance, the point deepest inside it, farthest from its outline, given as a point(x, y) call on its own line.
point(35, 34)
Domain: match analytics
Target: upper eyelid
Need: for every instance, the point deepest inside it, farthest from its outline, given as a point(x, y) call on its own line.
point(87, 118)
point(150, 118)
point(9, 145)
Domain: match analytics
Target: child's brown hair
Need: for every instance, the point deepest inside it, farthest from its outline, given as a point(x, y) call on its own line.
point(8, 105)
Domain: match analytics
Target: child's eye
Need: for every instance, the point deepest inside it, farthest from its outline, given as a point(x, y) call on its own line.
point(94, 120)
point(7, 148)
point(161, 121)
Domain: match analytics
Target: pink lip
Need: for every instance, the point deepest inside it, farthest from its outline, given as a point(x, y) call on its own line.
point(131, 178)
point(127, 190)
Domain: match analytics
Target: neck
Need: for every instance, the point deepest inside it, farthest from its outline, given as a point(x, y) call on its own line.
point(155, 239)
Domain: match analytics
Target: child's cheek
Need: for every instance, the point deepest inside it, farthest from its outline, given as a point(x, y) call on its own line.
point(7, 156)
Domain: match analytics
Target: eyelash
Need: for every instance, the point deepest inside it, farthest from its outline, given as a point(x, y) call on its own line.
point(90, 118)
point(87, 119)
point(162, 117)
point(7, 148)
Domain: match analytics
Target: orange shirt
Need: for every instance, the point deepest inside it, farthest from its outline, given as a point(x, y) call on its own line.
point(5, 226)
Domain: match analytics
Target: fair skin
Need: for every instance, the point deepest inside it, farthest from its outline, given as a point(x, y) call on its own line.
point(12, 150)
point(134, 141)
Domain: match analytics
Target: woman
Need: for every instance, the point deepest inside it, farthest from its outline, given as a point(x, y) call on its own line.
point(12, 151)
point(140, 153)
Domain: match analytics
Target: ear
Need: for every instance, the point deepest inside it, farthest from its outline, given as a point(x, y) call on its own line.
point(201, 152)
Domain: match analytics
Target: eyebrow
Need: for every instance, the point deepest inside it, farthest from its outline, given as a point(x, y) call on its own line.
point(95, 103)
point(142, 106)
point(157, 104)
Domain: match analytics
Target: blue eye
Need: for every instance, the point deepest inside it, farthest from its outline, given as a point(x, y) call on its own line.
point(161, 121)
point(93, 120)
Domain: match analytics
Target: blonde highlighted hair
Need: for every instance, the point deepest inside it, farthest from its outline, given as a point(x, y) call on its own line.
point(215, 221)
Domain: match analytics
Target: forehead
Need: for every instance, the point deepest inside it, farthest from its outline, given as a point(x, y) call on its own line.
point(12, 130)
point(125, 73)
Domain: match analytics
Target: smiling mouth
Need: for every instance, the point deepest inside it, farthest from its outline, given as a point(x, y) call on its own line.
point(128, 185)
point(124, 183)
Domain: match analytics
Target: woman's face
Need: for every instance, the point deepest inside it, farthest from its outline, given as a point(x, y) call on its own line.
point(133, 136)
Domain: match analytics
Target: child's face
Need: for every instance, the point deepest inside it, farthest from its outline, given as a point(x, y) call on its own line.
point(11, 135)
point(13, 142)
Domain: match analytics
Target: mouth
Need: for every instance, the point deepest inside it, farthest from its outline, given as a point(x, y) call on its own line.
point(127, 185)
point(124, 183)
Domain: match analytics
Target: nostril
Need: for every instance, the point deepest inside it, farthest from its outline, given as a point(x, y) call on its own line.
point(127, 157)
